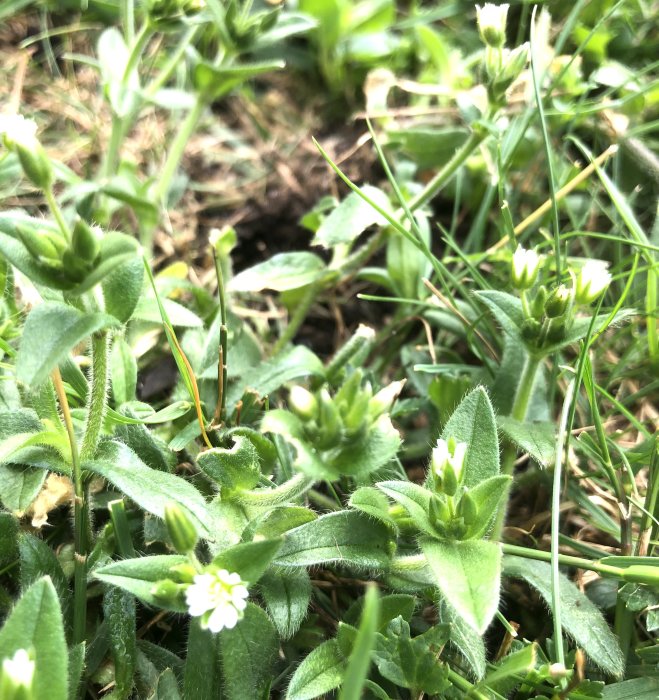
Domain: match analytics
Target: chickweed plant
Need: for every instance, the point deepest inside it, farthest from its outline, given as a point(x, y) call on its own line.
point(456, 500)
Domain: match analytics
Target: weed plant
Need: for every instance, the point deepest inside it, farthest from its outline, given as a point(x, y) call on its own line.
point(459, 501)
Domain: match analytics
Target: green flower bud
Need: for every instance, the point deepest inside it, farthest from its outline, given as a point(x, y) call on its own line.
point(357, 416)
point(329, 422)
point(85, 241)
point(525, 267)
point(76, 269)
point(558, 302)
point(40, 243)
point(438, 511)
point(538, 303)
point(180, 528)
point(347, 394)
point(184, 573)
point(167, 590)
point(491, 21)
point(467, 509)
point(512, 64)
point(36, 164)
point(531, 329)
point(303, 403)
point(17, 677)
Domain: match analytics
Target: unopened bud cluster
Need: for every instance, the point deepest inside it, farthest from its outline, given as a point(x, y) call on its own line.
point(71, 260)
point(452, 509)
point(502, 66)
point(165, 15)
point(333, 421)
point(549, 313)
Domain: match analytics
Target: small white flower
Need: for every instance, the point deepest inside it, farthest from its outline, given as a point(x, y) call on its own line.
point(218, 597)
point(492, 23)
point(525, 268)
point(18, 672)
point(592, 280)
point(16, 129)
point(447, 454)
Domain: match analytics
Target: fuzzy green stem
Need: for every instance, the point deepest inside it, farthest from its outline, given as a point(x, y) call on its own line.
point(298, 317)
point(555, 529)
point(446, 173)
point(97, 397)
point(57, 213)
point(80, 519)
point(465, 686)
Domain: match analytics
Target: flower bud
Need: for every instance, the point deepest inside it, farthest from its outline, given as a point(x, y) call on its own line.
point(538, 303)
point(531, 329)
point(491, 21)
point(303, 403)
point(17, 677)
point(384, 400)
point(167, 590)
point(20, 136)
point(512, 64)
point(447, 463)
point(329, 422)
point(592, 280)
point(85, 241)
point(558, 302)
point(40, 244)
point(180, 528)
point(467, 509)
point(525, 267)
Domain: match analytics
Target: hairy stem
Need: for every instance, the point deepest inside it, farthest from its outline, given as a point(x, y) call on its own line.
point(80, 519)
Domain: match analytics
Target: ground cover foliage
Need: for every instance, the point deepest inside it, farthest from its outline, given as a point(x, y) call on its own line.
point(396, 440)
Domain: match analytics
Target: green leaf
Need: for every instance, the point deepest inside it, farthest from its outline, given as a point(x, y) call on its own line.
point(36, 624)
point(8, 538)
point(150, 489)
point(119, 615)
point(414, 498)
point(76, 666)
point(633, 689)
point(146, 444)
point(167, 688)
point(465, 639)
point(507, 309)
point(277, 521)
point(19, 486)
point(203, 678)
point(138, 576)
point(286, 593)
point(488, 497)
point(581, 619)
point(320, 672)
point(345, 537)
point(412, 663)
point(147, 310)
point(352, 217)
point(359, 661)
point(37, 559)
point(538, 438)
point(468, 575)
point(249, 651)
point(369, 500)
point(236, 468)
point(215, 81)
point(249, 559)
point(473, 422)
point(281, 273)
point(123, 370)
point(122, 288)
point(51, 331)
point(517, 663)
point(270, 375)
